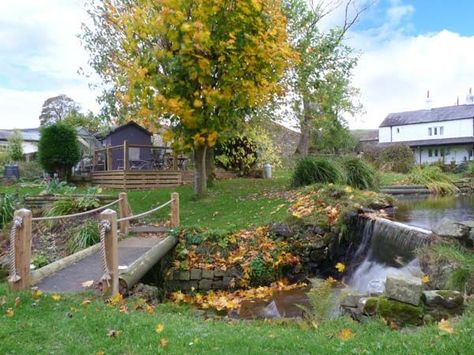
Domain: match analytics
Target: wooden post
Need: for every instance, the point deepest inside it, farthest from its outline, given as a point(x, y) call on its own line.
point(111, 252)
point(22, 252)
point(174, 210)
point(125, 156)
point(123, 212)
point(175, 162)
point(109, 159)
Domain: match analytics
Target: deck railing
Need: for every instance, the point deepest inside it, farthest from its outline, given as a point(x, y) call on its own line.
point(129, 156)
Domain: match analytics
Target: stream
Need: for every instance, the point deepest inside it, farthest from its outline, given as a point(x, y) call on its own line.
point(384, 249)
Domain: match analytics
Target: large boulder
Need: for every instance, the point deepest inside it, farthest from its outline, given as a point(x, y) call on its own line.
point(443, 298)
point(448, 228)
point(281, 230)
point(404, 288)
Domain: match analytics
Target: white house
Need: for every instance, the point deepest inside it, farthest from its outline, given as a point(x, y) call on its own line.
point(439, 134)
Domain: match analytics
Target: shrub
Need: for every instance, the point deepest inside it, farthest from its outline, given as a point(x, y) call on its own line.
point(311, 170)
point(4, 160)
point(321, 302)
point(359, 174)
point(39, 260)
point(7, 208)
point(55, 186)
point(58, 149)
point(238, 153)
point(398, 158)
point(433, 178)
point(261, 272)
point(84, 236)
point(30, 170)
point(15, 146)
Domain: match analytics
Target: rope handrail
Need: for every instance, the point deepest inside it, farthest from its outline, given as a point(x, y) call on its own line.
point(76, 214)
point(144, 213)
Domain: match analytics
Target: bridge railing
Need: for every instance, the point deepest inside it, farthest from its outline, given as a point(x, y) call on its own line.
point(21, 239)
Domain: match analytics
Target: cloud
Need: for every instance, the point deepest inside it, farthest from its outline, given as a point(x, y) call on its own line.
point(40, 57)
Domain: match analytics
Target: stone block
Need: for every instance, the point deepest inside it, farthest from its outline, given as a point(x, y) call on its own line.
point(281, 230)
point(219, 273)
point(189, 285)
point(228, 282)
point(404, 288)
point(207, 274)
point(451, 229)
point(195, 274)
point(351, 300)
point(217, 285)
point(184, 275)
point(443, 298)
point(367, 305)
point(205, 284)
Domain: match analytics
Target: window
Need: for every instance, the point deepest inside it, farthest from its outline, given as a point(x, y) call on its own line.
point(441, 130)
point(398, 130)
point(430, 153)
point(436, 152)
point(430, 131)
point(436, 131)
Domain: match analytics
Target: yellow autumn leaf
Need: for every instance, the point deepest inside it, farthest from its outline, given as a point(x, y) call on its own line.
point(164, 342)
point(159, 328)
point(340, 267)
point(85, 303)
point(116, 299)
point(17, 301)
point(37, 293)
point(345, 334)
point(56, 297)
point(425, 279)
point(445, 326)
point(9, 312)
point(87, 284)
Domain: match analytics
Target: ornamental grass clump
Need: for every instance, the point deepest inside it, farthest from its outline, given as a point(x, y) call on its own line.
point(359, 173)
point(311, 170)
point(433, 178)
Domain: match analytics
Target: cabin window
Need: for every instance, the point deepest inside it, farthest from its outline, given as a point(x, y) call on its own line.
point(398, 130)
point(430, 153)
point(436, 152)
point(430, 131)
point(441, 130)
point(436, 131)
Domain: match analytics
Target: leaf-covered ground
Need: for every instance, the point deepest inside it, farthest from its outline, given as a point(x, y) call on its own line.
point(84, 324)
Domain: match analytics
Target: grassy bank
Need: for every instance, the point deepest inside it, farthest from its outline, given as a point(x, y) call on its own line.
point(44, 326)
point(230, 204)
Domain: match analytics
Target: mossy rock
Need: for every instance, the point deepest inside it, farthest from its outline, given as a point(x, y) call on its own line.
point(399, 312)
point(370, 306)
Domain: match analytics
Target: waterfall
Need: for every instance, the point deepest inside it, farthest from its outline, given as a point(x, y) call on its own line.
point(386, 248)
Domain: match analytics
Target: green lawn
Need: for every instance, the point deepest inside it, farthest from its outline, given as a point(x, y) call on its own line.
point(45, 326)
point(230, 204)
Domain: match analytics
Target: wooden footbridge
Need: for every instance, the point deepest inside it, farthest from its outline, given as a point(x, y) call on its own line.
point(114, 265)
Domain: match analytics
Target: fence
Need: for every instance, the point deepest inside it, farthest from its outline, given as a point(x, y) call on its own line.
point(21, 238)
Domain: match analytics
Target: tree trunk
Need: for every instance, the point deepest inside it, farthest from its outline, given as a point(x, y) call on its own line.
point(302, 148)
point(200, 173)
point(210, 167)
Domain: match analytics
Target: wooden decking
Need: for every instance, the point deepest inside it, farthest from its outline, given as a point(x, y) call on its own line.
point(136, 179)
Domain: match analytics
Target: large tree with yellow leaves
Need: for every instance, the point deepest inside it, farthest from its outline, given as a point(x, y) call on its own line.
point(200, 65)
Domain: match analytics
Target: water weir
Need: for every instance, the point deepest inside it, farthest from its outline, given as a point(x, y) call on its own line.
point(386, 247)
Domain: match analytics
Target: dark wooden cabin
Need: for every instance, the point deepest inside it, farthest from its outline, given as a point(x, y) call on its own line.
point(133, 133)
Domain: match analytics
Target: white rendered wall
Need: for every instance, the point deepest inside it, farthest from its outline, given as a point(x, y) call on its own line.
point(419, 131)
point(458, 154)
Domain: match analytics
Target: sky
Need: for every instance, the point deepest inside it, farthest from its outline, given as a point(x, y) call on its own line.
point(405, 48)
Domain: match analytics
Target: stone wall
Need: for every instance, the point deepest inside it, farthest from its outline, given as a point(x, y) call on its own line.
point(203, 280)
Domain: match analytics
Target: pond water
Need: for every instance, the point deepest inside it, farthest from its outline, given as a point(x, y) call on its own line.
point(425, 211)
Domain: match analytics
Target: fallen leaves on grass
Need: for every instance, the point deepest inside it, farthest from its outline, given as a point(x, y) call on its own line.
point(112, 333)
point(9, 312)
point(164, 342)
point(37, 293)
point(159, 328)
point(425, 279)
point(445, 326)
point(116, 300)
point(56, 297)
point(345, 334)
point(17, 301)
point(85, 303)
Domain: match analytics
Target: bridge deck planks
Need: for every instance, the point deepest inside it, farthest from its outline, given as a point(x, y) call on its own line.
point(71, 278)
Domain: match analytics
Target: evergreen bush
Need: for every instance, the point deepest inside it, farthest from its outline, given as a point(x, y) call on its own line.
point(359, 174)
point(398, 158)
point(310, 170)
point(58, 149)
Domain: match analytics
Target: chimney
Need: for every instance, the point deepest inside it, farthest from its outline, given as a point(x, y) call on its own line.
point(457, 101)
point(428, 100)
